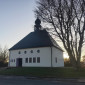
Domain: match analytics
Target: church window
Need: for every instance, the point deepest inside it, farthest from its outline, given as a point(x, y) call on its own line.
point(25, 52)
point(56, 59)
point(11, 60)
point(14, 60)
point(30, 60)
point(38, 59)
point(26, 60)
point(31, 51)
point(19, 52)
point(34, 60)
point(38, 51)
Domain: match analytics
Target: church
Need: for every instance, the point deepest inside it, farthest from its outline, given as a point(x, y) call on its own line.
point(37, 49)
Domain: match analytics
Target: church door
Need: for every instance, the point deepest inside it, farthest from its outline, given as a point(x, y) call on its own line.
point(19, 62)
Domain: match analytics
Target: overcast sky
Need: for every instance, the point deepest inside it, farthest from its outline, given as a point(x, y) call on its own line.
point(16, 20)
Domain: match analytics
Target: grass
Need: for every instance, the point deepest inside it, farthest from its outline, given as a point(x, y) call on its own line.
point(44, 72)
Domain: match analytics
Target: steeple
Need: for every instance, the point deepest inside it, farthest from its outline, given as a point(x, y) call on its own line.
point(37, 25)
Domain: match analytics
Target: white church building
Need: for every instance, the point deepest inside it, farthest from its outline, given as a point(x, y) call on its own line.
point(37, 49)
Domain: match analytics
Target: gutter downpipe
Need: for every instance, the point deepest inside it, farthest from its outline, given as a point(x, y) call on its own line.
point(51, 57)
point(9, 59)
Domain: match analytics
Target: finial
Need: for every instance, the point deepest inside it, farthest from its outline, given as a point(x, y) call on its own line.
point(37, 24)
point(37, 21)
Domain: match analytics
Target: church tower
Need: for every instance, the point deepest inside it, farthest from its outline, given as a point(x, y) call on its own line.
point(37, 25)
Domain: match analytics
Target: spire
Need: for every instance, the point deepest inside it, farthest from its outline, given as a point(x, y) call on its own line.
point(37, 25)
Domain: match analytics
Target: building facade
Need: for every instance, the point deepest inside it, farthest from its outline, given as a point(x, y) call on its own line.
point(37, 49)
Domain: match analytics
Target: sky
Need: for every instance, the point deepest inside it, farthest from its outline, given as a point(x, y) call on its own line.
point(16, 20)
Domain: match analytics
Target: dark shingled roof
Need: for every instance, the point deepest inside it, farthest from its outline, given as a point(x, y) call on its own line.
point(39, 38)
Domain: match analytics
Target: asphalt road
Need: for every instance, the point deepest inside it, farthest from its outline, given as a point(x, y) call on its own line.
point(11, 80)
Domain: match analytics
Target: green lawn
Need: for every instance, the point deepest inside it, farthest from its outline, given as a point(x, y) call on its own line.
point(45, 72)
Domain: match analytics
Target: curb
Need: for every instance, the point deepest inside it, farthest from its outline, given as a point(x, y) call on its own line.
point(75, 80)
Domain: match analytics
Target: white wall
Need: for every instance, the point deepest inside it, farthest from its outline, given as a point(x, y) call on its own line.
point(45, 57)
point(56, 53)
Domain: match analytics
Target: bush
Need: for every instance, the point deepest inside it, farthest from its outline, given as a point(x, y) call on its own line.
point(2, 64)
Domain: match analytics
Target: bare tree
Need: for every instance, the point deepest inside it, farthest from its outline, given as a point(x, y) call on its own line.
point(67, 62)
point(4, 55)
point(66, 20)
point(83, 58)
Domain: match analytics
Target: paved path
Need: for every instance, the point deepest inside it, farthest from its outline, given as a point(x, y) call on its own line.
point(16, 80)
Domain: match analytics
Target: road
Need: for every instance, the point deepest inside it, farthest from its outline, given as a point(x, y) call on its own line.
point(11, 80)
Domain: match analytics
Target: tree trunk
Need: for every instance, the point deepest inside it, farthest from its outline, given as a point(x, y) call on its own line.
point(75, 63)
point(78, 63)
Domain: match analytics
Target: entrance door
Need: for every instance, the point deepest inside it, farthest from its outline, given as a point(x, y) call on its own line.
point(19, 62)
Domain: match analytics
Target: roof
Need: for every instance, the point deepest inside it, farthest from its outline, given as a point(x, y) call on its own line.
point(35, 39)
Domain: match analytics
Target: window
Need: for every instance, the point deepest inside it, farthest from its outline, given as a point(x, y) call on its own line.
point(25, 52)
point(31, 51)
point(34, 60)
point(38, 51)
point(11, 60)
point(19, 52)
point(56, 59)
point(30, 60)
point(26, 60)
point(38, 59)
point(14, 60)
